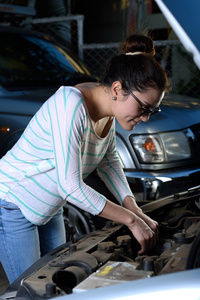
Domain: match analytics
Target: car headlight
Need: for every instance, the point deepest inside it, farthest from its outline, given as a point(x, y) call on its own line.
point(161, 148)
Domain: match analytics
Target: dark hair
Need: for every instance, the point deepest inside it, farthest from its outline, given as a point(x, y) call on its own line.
point(135, 72)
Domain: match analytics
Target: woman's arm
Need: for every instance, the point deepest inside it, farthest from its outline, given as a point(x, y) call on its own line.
point(111, 172)
point(143, 228)
point(137, 222)
point(130, 204)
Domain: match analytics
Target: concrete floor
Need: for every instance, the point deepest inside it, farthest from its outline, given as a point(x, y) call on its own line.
point(4, 284)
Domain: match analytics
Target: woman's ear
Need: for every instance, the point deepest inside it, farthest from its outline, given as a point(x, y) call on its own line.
point(116, 88)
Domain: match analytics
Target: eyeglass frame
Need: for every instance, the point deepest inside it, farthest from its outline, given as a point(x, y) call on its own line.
point(146, 110)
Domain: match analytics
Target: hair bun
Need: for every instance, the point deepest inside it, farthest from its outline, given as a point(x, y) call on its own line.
point(137, 43)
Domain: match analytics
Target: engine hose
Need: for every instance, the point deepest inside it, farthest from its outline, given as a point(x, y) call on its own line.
point(178, 217)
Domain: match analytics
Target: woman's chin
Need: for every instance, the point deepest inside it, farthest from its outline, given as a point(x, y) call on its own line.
point(129, 126)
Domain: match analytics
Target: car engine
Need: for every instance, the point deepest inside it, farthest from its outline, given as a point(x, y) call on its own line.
point(109, 256)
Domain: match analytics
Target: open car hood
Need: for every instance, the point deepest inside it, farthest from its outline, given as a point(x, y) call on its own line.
point(183, 16)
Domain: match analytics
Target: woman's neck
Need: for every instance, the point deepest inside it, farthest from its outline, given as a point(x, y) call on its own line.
point(97, 100)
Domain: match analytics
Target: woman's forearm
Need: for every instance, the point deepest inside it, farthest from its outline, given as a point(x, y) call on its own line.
point(130, 204)
point(118, 213)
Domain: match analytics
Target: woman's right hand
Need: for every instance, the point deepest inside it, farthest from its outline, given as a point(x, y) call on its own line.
point(143, 233)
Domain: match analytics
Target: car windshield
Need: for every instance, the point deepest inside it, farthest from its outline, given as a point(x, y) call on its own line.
point(30, 59)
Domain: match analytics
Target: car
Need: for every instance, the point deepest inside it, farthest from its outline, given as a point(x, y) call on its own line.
point(160, 157)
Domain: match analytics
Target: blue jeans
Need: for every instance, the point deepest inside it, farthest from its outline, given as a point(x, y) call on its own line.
point(23, 243)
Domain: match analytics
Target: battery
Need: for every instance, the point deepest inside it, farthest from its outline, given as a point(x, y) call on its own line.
point(112, 273)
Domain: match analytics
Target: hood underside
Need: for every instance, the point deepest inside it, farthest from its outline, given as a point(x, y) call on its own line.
point(183, 17)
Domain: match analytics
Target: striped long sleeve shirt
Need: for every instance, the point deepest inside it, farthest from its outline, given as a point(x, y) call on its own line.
point(56, 152)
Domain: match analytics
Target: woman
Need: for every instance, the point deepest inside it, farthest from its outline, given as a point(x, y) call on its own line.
point(68, 138)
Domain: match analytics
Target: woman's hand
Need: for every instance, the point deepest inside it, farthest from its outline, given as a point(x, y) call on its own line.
point(144, 235)
point(130, 204)
point(144, 229)
point(145, 232)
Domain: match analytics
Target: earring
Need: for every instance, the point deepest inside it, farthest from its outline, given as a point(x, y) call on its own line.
point(114, 98)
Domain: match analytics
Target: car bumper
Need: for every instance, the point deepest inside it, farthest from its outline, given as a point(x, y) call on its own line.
point(154, 185)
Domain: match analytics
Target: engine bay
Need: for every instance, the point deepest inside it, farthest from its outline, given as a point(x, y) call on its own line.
point(109, 256)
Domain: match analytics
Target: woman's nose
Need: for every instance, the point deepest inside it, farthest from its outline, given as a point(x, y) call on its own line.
point(145, 117)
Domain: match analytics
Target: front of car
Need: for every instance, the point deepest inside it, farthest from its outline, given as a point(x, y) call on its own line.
point(163, 154)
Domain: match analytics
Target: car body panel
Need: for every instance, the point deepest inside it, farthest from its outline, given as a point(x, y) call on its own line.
point(179, 285)
point(19, 109)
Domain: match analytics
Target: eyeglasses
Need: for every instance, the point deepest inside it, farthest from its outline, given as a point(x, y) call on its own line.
point(146, 110)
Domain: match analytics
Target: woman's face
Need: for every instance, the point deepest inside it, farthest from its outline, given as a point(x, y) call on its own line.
point(131, 109)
